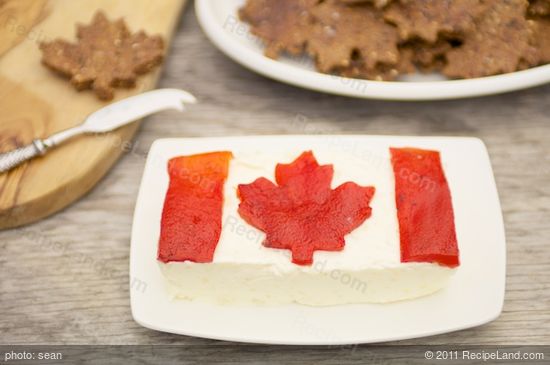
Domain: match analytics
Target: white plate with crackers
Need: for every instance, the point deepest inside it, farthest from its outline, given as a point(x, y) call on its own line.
point(220, 22)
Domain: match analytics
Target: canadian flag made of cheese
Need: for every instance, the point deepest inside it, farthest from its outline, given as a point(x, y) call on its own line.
point(319, 232)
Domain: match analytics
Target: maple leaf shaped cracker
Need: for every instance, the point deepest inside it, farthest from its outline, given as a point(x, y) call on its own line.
point(426, 19)
point(500, 42)
point(283, 25)
point(105, 56)
point(340, 31)
point(302, 213)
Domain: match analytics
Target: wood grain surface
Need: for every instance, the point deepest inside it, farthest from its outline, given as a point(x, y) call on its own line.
point(65, 279)
point(36, 102)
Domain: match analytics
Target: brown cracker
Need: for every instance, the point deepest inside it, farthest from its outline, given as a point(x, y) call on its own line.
point(341, 33)
point(381, 72)
point(539, 7)
point(283, 25)
point(427, 19)
point(498, 44)
point(105, 56)
point(541, 39)
point(425, 56)
point(431, 57)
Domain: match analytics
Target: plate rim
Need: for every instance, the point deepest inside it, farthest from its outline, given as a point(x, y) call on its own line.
point(144, 320)
point(381, 90)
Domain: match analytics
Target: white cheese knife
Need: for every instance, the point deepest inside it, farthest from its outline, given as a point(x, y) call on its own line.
point(104, 120)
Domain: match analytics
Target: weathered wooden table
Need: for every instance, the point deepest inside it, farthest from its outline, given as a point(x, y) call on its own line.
point(65, 279)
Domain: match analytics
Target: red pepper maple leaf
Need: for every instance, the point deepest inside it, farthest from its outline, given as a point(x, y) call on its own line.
point(302, 213)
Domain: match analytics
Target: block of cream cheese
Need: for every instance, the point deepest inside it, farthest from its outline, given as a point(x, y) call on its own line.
point(369, 268)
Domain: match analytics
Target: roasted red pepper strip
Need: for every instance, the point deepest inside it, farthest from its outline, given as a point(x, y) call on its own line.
point(301, 212)
point(424, 208)
point(192, 214)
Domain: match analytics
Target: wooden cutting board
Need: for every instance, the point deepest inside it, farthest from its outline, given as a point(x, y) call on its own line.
point(34, 102)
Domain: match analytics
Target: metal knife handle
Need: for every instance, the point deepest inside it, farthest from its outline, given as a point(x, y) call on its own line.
point(14, 158)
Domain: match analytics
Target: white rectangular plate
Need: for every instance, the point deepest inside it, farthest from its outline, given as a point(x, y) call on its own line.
point(474, 296)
